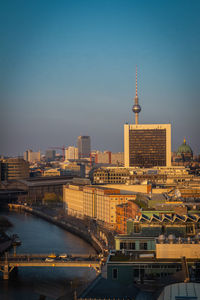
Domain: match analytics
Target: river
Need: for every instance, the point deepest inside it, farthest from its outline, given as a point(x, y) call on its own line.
point(39, 236)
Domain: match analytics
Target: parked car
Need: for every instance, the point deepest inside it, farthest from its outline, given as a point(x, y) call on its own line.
point(48, 259)
point(52, 255)
point(63, 255)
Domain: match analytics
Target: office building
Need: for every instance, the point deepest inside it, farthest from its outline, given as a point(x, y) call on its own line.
point(146, 145)
point(71, 153)
point(32, 156)
point(14, 168)
point(50, 155)
point(84, 146)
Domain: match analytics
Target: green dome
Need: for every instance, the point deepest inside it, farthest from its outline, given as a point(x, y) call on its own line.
point(184, 149)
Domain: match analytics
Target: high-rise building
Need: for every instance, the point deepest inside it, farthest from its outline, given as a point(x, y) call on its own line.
point(146, 145)
point(71, 153)
point(50, 155)
point(32, 156)
point(84, 146)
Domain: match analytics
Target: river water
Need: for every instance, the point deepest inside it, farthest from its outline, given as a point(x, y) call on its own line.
point(39, 236)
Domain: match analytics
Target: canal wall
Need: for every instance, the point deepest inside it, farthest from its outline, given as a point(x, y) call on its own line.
point(84, 234)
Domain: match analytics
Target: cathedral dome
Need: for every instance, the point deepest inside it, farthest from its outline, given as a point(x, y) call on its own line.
point(184, 149)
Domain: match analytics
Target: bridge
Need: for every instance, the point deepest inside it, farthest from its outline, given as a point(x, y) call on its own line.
point(9, 262)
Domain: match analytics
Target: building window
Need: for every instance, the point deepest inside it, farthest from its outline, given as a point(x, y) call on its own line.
point(132, 246)
point(122, 246)
point(114, 273)
point(137, 228)
point(143, 246)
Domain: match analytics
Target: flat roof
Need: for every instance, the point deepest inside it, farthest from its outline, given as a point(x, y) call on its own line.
point(45, 182)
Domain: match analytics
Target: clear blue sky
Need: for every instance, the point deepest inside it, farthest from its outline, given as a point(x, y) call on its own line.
point(67, 68)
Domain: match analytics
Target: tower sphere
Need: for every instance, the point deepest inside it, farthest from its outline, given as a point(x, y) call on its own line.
point(136, 108)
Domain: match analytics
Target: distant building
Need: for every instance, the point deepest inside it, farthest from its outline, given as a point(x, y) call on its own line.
point(103, 157)
point(50, 155)
point(71, 153)
point(108, 157)
point(84, 146)
point(184, 152)
point(32, 156)
point(117, 158)
point(14, 168)
point(52, 172)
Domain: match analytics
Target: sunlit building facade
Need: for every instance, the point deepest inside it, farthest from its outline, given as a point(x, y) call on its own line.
point(15, 168)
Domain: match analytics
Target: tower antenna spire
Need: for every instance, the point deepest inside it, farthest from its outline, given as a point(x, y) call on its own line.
point(136, 83)
point(136, 107)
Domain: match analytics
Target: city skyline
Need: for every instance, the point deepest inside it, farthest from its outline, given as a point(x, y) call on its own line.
point(68, 69)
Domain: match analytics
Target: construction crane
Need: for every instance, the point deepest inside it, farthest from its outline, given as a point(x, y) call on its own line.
point(60, 148)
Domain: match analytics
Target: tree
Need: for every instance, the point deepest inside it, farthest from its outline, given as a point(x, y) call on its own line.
point(50, 198)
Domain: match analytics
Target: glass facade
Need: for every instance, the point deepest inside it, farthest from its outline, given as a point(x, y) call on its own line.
point(147, 147)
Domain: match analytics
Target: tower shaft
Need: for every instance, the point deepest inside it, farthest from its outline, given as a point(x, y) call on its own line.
point(136, 118)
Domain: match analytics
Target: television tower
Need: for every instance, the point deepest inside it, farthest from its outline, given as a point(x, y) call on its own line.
point(136, 107)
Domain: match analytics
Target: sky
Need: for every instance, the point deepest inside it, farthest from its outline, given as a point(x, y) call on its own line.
point(67, 68)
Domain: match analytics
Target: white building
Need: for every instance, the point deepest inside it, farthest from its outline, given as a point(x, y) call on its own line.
point(71, 153)
point(32, 156)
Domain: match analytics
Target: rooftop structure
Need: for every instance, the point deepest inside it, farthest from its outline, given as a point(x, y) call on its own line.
point(181, 290)
point(178, 225)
